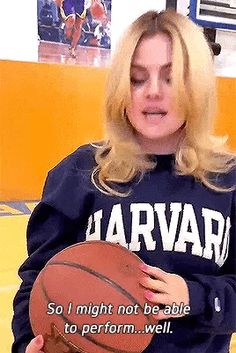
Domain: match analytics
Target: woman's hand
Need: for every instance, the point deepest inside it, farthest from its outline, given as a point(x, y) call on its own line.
point(164, 288)
point(35, 345)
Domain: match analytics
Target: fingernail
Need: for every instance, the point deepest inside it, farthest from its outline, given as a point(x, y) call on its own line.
point(39, 340)
point(143, 266)
point(148, 294)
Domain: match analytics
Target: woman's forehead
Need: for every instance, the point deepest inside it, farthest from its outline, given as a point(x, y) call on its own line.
point(155, 50)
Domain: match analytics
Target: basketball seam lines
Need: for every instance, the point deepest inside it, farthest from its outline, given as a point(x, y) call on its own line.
point(106, 279)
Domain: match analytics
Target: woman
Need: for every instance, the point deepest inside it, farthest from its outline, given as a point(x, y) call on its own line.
point(160, 184)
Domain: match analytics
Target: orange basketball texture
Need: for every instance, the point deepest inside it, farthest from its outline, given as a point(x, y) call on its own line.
point(90, 273)
point(97, 10)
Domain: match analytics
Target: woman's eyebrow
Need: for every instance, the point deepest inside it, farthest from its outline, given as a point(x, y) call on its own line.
point(141, 67)
point(167, 66)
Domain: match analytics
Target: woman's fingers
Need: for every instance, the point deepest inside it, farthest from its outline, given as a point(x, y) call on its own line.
point(35, 345)
point(155, 272)
point(158, 298)
point(153, 284)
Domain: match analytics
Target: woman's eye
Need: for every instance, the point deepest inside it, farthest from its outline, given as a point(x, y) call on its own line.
point(136, 81)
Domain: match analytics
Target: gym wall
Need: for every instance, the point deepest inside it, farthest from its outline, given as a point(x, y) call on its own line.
point(47, 111)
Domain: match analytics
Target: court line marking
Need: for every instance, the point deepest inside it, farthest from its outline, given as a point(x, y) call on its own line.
point(8, 288)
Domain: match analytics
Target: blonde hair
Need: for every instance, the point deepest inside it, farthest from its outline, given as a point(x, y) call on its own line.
point(119, 158)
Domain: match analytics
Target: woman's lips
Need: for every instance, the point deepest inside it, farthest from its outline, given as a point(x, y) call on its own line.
point(154, 114)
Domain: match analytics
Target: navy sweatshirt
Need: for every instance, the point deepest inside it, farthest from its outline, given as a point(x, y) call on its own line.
point(170, 221)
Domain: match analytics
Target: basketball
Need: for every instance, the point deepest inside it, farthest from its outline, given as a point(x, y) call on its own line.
point(88, 299)
point(97, 10)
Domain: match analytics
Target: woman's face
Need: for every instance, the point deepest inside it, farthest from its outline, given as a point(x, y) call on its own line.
point(157, 127)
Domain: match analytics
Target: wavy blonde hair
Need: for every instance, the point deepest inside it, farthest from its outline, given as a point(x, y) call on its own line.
point(119, 158)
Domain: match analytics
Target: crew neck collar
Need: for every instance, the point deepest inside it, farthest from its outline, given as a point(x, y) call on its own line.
point(164, 161)
point(168, 156)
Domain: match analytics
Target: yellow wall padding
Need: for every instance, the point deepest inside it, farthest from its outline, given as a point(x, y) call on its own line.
point(48, 110)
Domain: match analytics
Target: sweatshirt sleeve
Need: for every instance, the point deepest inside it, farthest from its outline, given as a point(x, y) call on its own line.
point(213, 298)
point(57, 222)
point(48, 232)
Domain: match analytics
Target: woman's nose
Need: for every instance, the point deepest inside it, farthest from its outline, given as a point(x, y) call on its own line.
point(154, 88)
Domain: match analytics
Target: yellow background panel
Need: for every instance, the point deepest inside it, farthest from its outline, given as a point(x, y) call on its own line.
point(47, 111)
